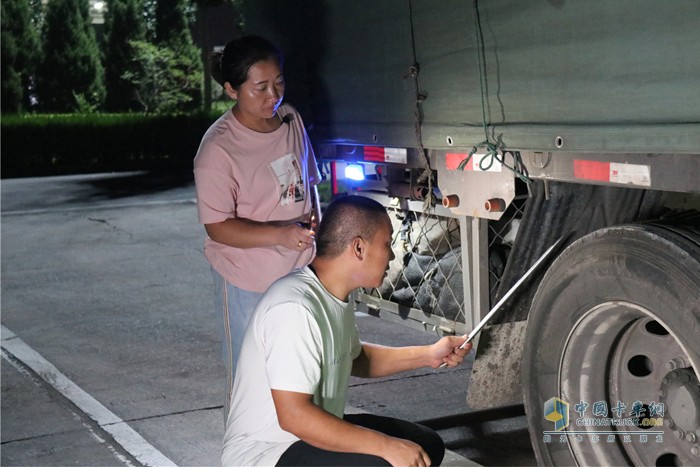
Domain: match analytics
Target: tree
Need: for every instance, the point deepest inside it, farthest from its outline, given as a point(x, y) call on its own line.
point(173, 19)
point(124, 22)
point(19, 43)
point(70, 74)
point(163, 79)
point(206, 9)
point(37, 13)
point(150, 18)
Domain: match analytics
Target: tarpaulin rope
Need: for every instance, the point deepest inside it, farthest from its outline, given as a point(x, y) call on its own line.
point(494, 151)
point(414, 70)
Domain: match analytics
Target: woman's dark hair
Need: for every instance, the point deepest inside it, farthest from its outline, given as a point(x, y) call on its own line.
point(239, 55)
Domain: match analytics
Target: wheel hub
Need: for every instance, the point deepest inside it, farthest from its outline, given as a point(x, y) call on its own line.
point(680, 392)
point(646, 364)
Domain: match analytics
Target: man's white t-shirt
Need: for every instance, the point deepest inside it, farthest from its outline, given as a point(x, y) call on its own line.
point(301, 339)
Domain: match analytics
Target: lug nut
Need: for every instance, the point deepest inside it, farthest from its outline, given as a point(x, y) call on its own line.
point(678, 362)
point(695, 451)
point(668, 423)
point(690, 437)
point(680, 434)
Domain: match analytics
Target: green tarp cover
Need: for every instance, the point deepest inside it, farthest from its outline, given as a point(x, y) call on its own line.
point(605, 75)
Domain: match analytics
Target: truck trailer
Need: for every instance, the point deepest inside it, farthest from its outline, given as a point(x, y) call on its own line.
point(492, 129)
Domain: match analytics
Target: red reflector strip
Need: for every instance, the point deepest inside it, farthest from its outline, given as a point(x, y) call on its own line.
point(374, 154)
point(381, 154)
point(613, 172)
point(592, 170)
point(453, 160)
point(477, 163)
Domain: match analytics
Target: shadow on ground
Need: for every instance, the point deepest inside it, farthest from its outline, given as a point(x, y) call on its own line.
point(138, 183)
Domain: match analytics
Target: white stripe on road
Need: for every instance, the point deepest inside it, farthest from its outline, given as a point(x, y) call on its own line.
point(122, 433)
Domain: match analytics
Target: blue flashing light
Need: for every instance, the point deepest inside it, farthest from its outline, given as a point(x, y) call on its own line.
point(355, 172)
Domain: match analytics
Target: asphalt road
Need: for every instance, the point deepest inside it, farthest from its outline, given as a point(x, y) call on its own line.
point(111, 350)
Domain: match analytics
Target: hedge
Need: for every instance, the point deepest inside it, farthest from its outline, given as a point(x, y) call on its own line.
point(40, 145)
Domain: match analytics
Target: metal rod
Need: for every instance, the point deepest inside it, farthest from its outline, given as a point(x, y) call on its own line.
point(508, 294)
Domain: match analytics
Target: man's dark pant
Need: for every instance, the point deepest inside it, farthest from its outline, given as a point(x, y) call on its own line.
point(301, 453)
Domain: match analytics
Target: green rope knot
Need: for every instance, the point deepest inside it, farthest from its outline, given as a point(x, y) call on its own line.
point(495, 152)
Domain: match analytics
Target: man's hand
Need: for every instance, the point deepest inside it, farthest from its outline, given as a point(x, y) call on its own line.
point(377, 360)
point(402, 452)
point(447, 351)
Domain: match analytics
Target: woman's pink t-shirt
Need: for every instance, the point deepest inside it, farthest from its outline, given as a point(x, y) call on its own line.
point(258, 176)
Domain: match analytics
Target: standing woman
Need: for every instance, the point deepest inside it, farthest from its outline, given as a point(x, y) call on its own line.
point(255, 175)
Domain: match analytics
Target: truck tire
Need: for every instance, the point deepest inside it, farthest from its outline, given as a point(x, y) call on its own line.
point(616, 318)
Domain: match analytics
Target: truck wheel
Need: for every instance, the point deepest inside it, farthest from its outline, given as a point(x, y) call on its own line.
point(616, 321)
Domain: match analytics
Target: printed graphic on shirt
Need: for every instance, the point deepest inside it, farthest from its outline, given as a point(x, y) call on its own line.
point(289, 179)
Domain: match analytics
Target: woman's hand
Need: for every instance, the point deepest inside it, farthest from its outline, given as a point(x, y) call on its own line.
point(296, 237)
point(244, 233)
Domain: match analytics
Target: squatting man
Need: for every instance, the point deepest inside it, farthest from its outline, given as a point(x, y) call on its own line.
point(302, 345)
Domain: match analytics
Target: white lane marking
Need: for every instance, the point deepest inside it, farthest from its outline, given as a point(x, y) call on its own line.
point(17, 365)
point(122, 433)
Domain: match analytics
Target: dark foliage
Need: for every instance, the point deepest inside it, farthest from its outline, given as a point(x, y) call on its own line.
point(20, 48)
point(70, 75)
point(69, 144)
point(124, 22)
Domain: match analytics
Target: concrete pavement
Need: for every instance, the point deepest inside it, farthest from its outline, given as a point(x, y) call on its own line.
point(103, 277)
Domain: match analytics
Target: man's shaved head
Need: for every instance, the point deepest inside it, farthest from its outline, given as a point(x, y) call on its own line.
point(345, 219)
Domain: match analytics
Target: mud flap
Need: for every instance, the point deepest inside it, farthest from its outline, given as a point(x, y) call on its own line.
point(557, 210)
point(496, 375)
